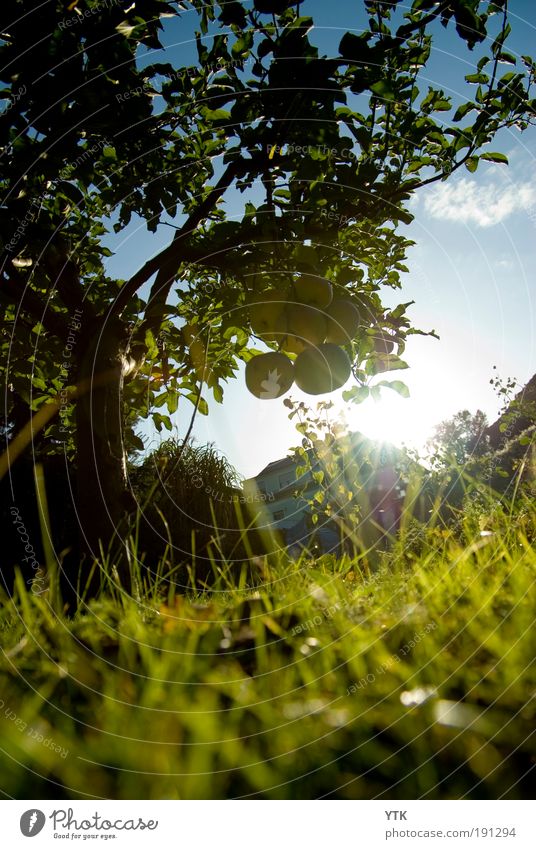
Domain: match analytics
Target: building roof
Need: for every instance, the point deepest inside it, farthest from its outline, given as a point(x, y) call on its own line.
point(277, 465)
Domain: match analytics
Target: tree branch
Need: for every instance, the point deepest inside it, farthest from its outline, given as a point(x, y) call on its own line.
point(406, 30)
point(167, 273)
point(167, 262)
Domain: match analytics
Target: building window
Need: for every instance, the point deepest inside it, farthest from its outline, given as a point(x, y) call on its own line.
point(279, 514)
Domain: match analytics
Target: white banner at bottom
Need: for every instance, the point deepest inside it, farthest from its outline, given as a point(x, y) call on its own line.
point(258, 824)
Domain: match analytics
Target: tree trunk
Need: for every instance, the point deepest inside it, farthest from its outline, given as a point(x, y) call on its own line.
point(103, 500)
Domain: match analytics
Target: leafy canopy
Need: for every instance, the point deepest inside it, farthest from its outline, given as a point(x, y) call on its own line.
point(98, 129)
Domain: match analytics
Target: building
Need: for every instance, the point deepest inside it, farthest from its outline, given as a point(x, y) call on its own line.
point(367, 469)
point(278, 483)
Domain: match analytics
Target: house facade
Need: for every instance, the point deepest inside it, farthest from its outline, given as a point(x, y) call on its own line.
point(284, 495)
point(276, 486)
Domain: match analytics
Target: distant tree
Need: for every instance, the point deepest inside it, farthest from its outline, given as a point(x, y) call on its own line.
point(459, 439)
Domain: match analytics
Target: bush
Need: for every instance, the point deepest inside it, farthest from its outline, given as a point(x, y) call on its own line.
point(190, 522)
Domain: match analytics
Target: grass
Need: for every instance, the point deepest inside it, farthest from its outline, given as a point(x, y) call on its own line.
point(416, 680)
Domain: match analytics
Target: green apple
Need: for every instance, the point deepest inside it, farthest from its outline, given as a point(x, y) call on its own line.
point(269, 375)
point(306, 323)
point(293, 344)
point(313, 290)
point(266, 310)
point(343, 321)
point(278, 331)
point(322, 369)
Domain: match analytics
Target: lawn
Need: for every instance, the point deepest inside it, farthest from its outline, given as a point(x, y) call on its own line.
point(412, 680)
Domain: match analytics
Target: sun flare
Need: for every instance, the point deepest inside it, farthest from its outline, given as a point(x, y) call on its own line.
point(402, 421)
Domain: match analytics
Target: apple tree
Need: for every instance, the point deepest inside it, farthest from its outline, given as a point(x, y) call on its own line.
point(101, 127)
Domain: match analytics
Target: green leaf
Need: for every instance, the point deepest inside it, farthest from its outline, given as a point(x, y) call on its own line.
point(126, 29)
point(415, 165)
point(495, 157)
point(384, 362)
point(202, 406)
point(172, 401)
point(215, 115)
point(152, 347)
point(38, 400)
point(160, 400)
point(482, 79)
point(265, 47)
point(400, 310)
point(353, 47)
point(442, 105)
point(396, 386)
point(472, 164)
point(507, 58)
point(160, 420)
point(70, 191)
point(356, 395)
point(135, 441)
point(384, 90)
point(462, 111)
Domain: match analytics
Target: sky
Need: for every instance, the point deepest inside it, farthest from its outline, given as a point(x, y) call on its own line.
point(471, 275)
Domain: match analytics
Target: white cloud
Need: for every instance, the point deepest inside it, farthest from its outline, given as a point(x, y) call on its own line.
point(504, 264)
point(485, 204)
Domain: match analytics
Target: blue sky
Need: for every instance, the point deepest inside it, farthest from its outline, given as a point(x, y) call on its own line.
point(471, 276)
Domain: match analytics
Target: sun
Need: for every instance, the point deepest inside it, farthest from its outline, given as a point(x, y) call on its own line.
point(401, 421)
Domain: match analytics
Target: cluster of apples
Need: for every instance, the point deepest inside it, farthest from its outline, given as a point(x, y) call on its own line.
point(308, 321)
